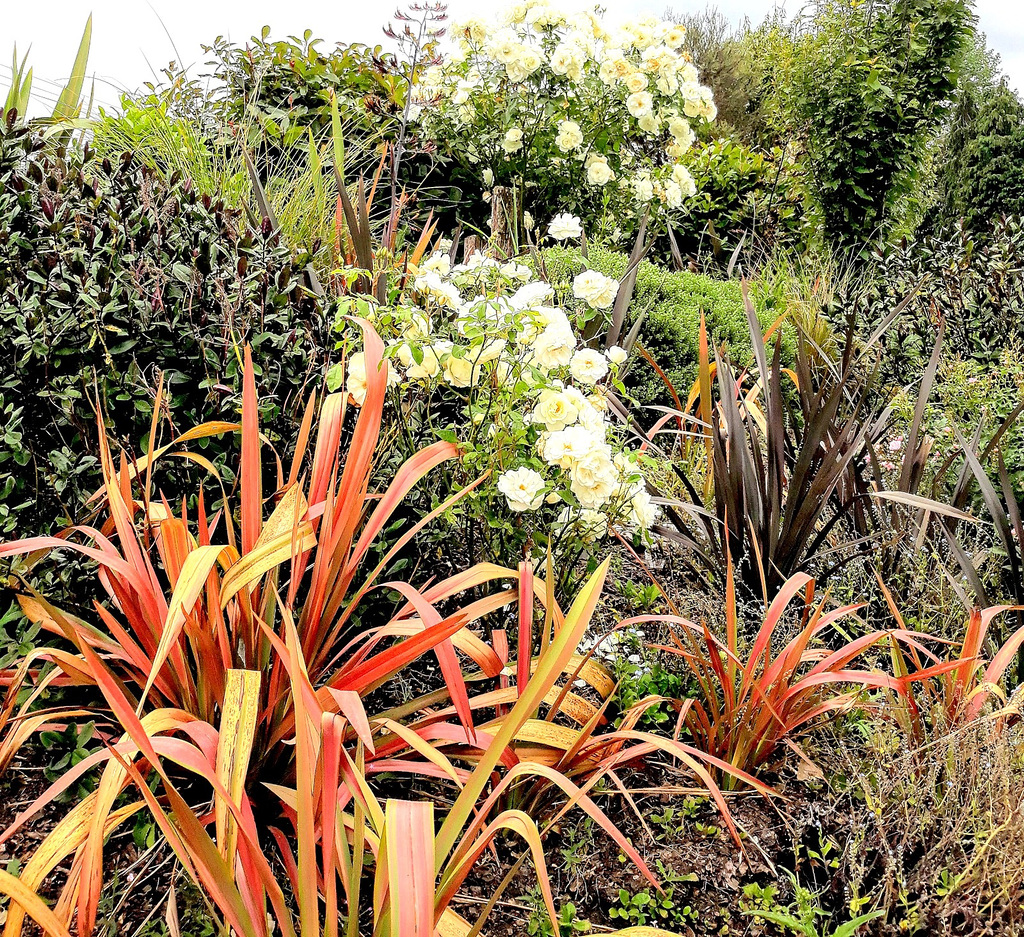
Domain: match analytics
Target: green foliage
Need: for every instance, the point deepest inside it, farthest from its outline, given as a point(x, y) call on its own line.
point(284, 87)
point(640, 675)
point(802, 916)
point(977, 283)
point(867, 84)
point(981, 164)
point(107, 276)
point(672, 303)
point(652, 908)
point(18, 636)
point(69, 102)
point(66, 748)
point(539, 924)
point(741, 191)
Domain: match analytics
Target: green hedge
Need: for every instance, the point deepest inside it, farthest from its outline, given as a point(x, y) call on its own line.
point(672, 302)
point(108, 276)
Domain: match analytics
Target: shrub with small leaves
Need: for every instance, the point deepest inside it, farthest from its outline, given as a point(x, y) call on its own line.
point(107, 277)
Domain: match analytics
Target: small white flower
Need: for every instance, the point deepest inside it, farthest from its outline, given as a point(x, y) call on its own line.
point(643, 512)
point(640, 104)
point(616, 354)
point(588, 366)
point(597, 290)
point(569, 136)
point(513, 140)
point(564, 226)
point(488, 177)
point(531, 295)
point(523, 488)
point(555, 410)
point(428, 366)
point(554, 346)
point(598, 171)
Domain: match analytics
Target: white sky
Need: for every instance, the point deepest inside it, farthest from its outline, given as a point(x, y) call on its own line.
point(130, 43)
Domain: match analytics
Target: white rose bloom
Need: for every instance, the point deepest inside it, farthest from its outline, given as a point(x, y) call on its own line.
point(667, 84)
point(608, 72)
point(564, 226)
point(675, 37)
point(578, 398)
point(523, 488)
point(568, 60)
point(517, 70)
point(553, 348)
point(488, 177)
point(462, 372)
point(475, 31)
point(539, 318)
point(489, 351)
point(418, 327)
point(513, 140)
point(445, 294)
point(569, 136)
point(531, 295)
point(428, 366)
point(617, 354)
point(643, 512)
point(568, 446)
point(681, 176)
point(356, 382)
point(594, 480)
point(531, 60)
point(649, 123)
point(681, 132)
point(516, 13)
point(598, 171)
point(636, 82)
point(590, 419)
point(588, 366)
point(555, 410)
point(515, 271)
point(595, 289)
point(439, 262)
point(505, 47)
point(643, 187)
point(640, 104)
point(672, 194)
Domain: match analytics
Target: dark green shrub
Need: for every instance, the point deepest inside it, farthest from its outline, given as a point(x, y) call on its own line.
point(976, 283)
point(865, 85)
point(981, 164)
point(285, 86)
point(672, 302)
point(108, 276)
point(742, 192)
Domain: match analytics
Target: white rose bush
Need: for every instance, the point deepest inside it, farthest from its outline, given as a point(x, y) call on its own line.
point(480, 354)
point(542, 97)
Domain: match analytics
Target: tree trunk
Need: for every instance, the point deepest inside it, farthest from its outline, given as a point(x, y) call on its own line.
point(503, 221)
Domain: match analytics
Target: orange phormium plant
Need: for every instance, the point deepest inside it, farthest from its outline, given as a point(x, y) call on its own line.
point(563, 733)
point(192, 598)
point(951, 690)
point(748, 708)
point(340, 827)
